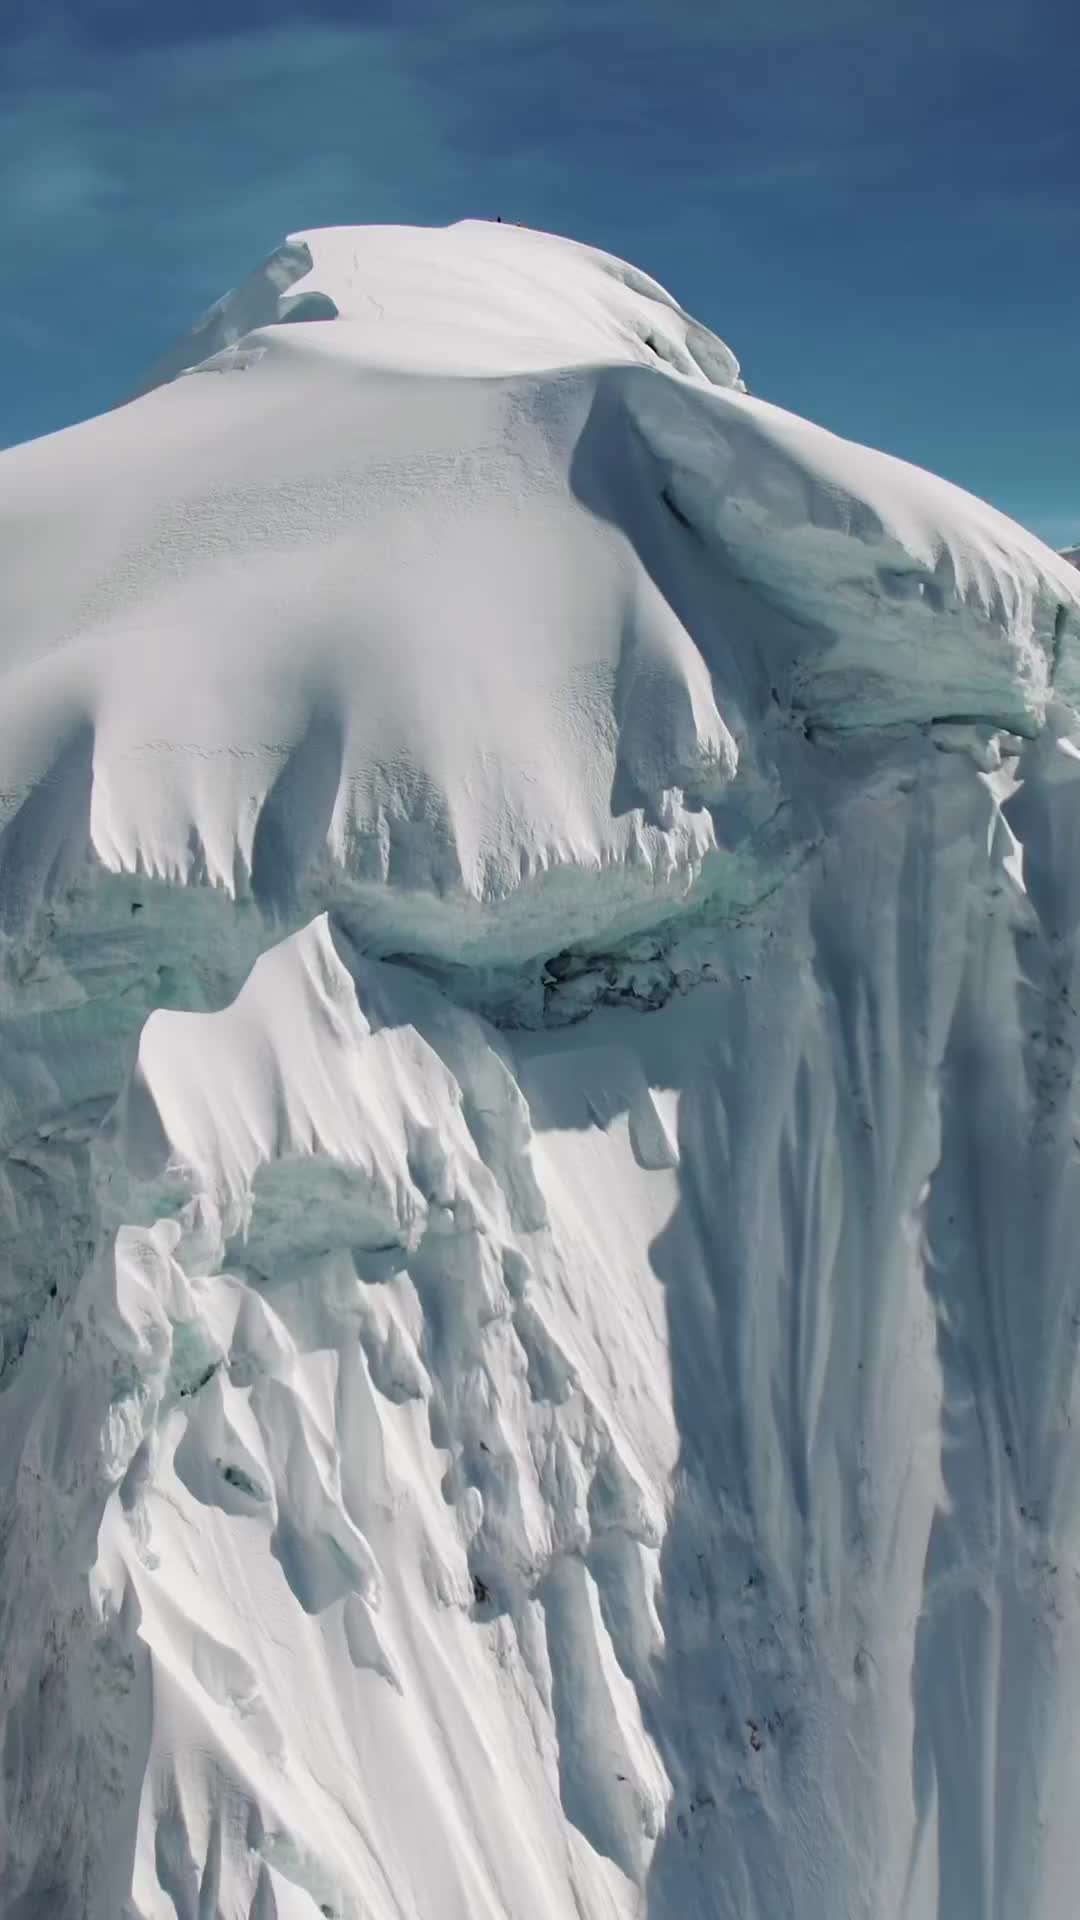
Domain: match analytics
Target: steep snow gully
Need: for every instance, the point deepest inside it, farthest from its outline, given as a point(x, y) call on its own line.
point(540, 1181)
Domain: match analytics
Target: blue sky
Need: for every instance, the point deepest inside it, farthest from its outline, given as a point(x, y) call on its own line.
point(877, 203)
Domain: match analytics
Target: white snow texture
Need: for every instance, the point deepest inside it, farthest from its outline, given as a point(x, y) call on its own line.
point(539, 1132)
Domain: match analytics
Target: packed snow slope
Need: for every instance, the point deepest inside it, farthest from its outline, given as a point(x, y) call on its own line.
point(539, 1132)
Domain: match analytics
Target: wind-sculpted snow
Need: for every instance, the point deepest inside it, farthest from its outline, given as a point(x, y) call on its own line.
point(470, 655)
point(539, 1181)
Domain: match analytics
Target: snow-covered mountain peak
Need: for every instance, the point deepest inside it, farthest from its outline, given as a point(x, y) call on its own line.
point(480, 297)
point(470, 1451)
point(488, 612)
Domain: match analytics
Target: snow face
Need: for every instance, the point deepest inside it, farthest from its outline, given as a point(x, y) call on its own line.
point(470, 656)
point(539, 1173)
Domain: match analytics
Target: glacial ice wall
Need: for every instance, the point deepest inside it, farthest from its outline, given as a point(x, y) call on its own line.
point(539, 1139)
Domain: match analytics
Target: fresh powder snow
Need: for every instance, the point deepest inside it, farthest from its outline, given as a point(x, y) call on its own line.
point(539, 1138)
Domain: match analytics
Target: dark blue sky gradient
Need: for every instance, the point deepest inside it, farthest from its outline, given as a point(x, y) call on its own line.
point(878, 206)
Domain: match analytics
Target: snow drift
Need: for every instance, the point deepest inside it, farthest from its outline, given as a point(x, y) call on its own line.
point(471, 1449)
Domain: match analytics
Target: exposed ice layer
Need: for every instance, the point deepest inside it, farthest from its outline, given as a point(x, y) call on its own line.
point(625, 1471)
point(472, 657)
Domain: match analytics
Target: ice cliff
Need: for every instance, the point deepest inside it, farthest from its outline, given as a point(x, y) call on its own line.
point(539, 1132)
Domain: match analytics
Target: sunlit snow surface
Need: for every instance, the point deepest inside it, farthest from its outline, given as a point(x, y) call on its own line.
point(539, 1203)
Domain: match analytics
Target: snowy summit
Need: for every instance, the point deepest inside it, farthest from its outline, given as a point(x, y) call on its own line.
point(538, 1310)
